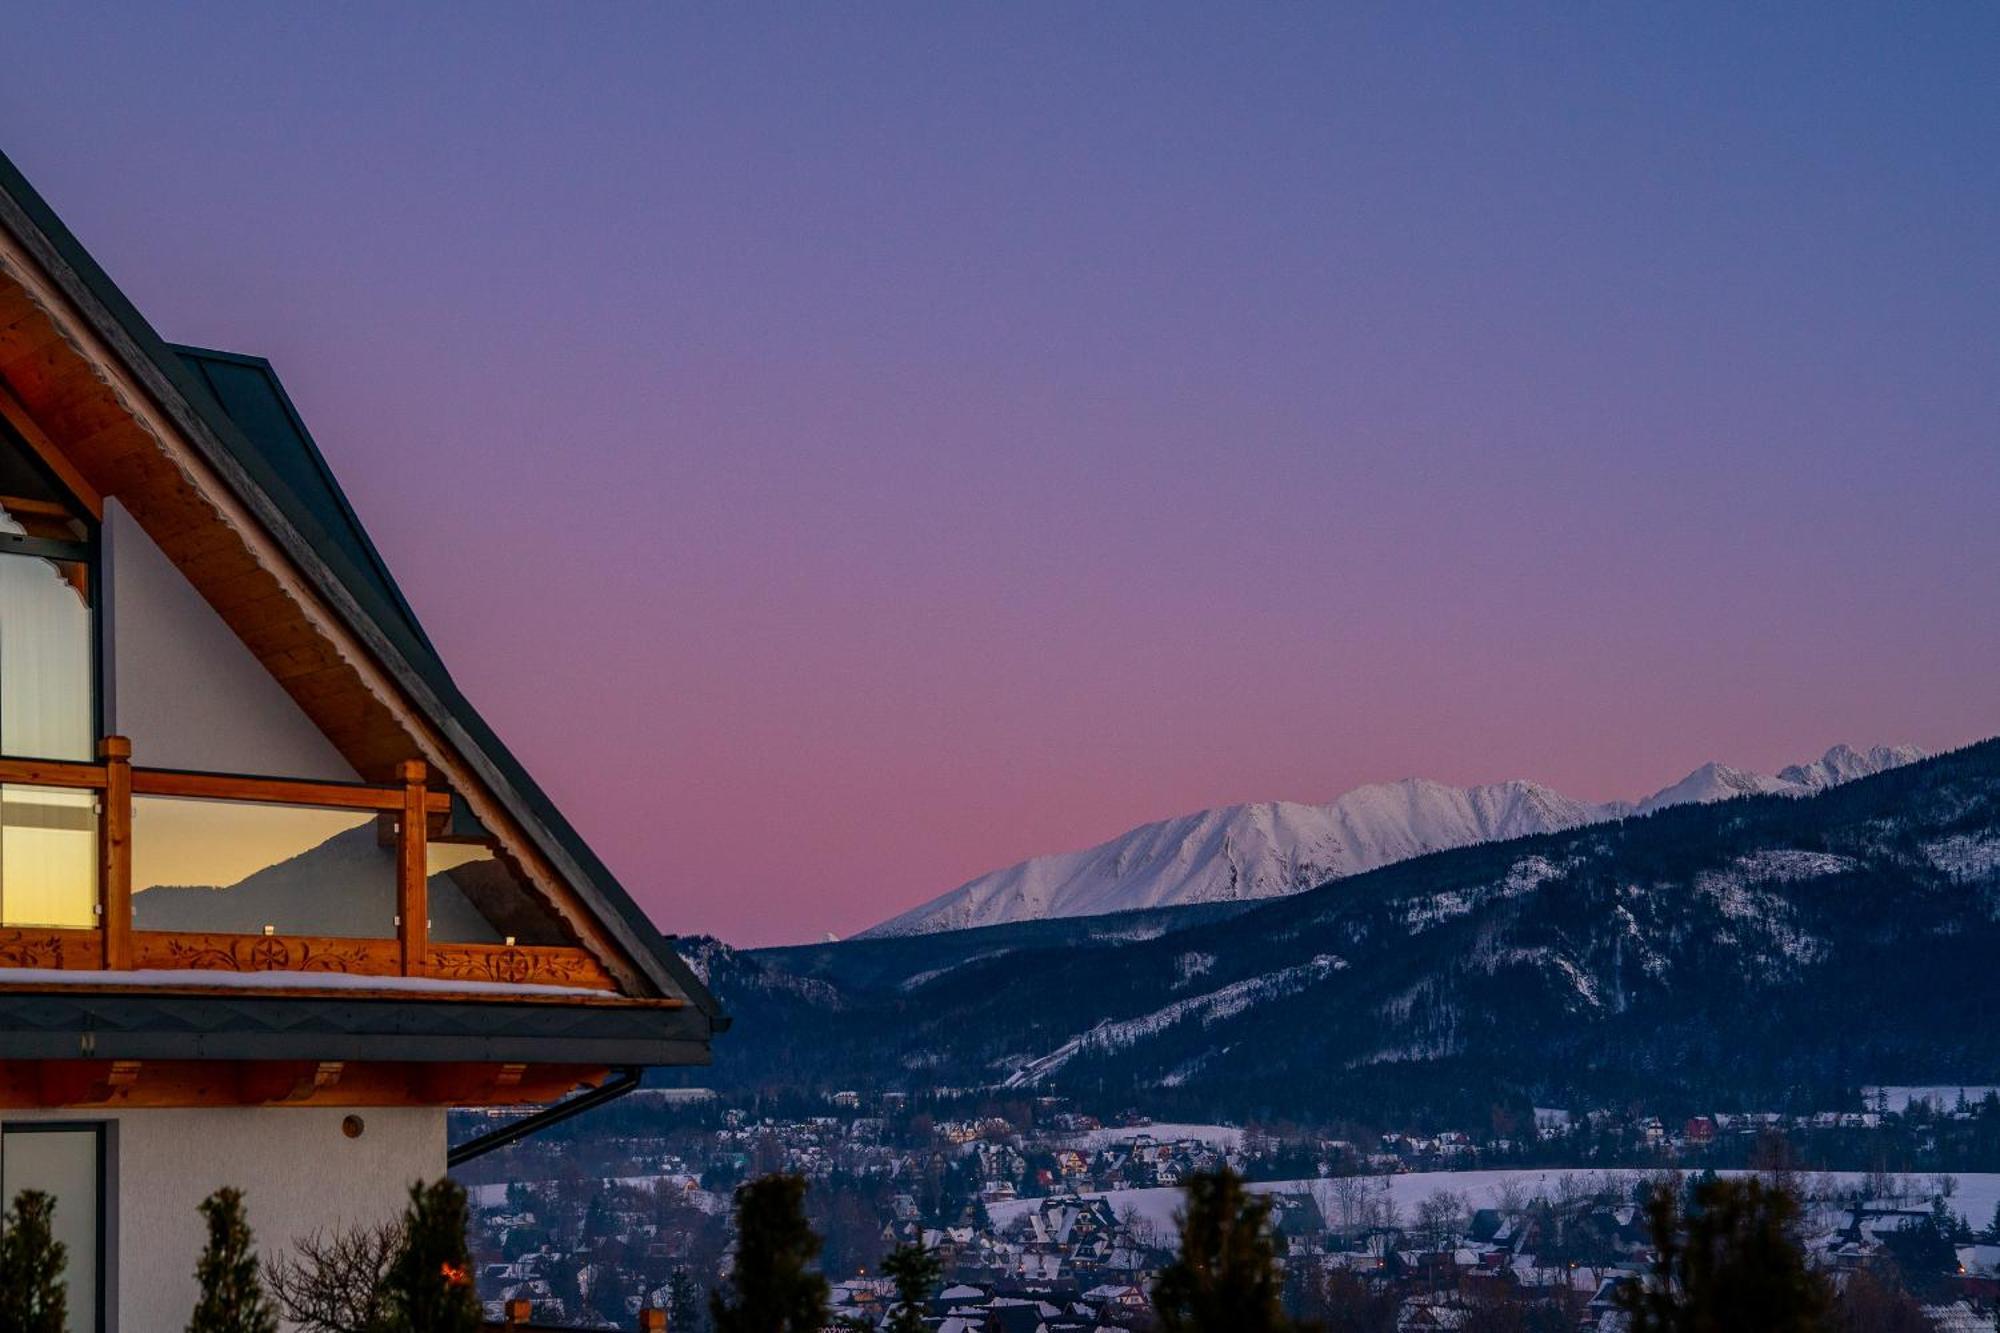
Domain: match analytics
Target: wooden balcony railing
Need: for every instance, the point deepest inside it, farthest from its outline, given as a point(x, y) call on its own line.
point(116, 945)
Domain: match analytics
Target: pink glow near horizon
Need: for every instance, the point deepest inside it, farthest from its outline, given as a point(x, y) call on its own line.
point(848, 455)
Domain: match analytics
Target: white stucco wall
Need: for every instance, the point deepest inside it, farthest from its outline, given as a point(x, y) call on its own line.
point(182, 685)
point(296, 1169)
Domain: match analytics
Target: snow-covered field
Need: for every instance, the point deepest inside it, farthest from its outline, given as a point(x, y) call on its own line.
point(1945, 1098)
point(688, 1187)
point(1976, 1196)
point(1225, 1137)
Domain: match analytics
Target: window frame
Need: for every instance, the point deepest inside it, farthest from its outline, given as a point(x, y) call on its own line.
point(98, 1130)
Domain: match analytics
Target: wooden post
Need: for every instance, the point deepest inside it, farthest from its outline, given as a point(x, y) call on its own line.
point(412, 893)
point(114, 834)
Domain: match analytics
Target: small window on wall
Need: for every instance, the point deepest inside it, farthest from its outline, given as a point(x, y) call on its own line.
point(65, 1162)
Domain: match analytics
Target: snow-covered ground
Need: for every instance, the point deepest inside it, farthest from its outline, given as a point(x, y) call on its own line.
point(1225, 1137)
point(1945, 1098)
point(1976, 1195)
point(688, 1187)
point(1212, 1007)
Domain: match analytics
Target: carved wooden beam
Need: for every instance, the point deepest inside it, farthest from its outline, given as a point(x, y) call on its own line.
point(85, 1082)
point(289, 1083)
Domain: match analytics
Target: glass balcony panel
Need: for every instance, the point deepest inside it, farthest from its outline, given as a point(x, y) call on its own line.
point(48, 857)
point(476, 898)
point(237, 867)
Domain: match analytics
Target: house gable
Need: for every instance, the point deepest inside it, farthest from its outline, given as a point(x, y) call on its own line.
point(181, 685)
point(202, 469)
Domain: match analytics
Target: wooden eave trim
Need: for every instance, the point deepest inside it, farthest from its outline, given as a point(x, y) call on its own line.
point(163, 413)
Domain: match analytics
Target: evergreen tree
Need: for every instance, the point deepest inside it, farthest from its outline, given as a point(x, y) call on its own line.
point(33, 1296)
point(916, 1271)
point(1726, 1263)
point(611, 1291)
point(1873, 1302)
point(429, 1286)
point(683, 1302)
point(1226, 1279)
point(232, 1296)
point(1344, 1303)
point(775, 1288)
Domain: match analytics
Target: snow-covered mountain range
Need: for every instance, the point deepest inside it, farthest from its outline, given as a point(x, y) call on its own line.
point(1273, 848)
point(1723, 953)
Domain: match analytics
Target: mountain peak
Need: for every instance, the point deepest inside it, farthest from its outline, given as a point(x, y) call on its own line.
point(1843, 763)
point(1269, 849)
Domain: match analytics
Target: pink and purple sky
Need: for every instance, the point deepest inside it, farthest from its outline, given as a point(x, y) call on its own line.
point(845, 450)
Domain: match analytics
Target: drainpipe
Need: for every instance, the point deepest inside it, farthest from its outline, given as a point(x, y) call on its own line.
point(624, 1081)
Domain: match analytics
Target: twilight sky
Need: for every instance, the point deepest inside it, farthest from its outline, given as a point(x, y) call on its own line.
point(847, 448)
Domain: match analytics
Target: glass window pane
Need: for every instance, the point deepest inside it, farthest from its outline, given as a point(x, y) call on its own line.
point(62, 1163)
point(48, 857)
point(235, 867)
point(476, 898)
point(45, 659)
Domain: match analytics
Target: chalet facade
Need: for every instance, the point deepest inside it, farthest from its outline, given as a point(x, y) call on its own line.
point(272, 896)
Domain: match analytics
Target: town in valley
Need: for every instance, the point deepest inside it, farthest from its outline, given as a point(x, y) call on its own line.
point(1050, 1219)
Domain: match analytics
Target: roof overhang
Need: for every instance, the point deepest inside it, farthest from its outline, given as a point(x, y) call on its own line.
point(72, 1026)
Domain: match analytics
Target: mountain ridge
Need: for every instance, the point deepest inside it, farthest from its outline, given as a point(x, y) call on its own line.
point(1748, 954)
point(1269, 849)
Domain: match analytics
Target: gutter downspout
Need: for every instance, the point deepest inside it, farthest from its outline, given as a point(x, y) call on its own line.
point(624, 1081)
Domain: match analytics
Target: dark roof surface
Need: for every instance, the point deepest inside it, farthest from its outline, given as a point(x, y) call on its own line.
point(78, 1024)
point(234, 409)
point(291, 469)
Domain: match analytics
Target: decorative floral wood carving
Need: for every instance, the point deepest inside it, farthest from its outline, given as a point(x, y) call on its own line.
point(267, 953)
point(517, 966)
point(49, 948)
point(509, 964)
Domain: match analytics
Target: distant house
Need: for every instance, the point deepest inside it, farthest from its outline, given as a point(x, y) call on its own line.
point(272, 895)
point(1119, 1296)
point(1296, 1216)
point(1979, 1272)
